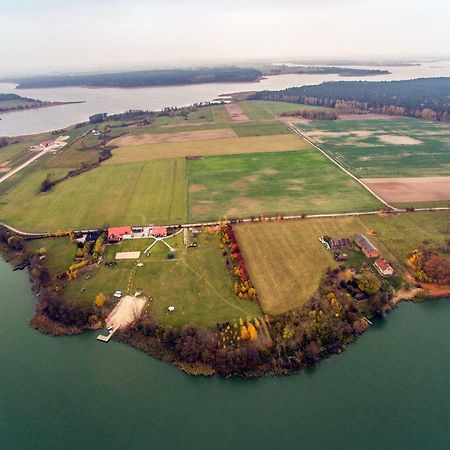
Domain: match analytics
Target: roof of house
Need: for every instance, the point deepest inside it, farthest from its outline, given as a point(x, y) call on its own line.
point(46, 143)
point(383, 265)
point(118, 231)
point(159, 230)
point(364, 242)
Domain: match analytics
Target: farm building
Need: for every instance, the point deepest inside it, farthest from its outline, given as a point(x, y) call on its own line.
point(366, 246)
point(340, 243)
point(116, 234)
point(159, 231)
point(384, 267)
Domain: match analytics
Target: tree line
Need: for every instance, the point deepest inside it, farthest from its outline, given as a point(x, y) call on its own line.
point(145, 78)
point(427, 98)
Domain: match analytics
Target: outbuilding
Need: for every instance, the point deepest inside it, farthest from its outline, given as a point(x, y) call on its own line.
point(366, 246)
point(384, 267)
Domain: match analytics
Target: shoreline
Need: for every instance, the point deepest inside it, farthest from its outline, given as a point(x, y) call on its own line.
point(49, 105)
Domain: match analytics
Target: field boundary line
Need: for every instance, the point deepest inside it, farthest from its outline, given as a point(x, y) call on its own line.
point(338, 164)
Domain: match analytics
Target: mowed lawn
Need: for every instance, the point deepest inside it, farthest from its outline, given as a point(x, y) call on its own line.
point(295, 182)
point(196, 282)
point(125, 194)
point(400, 147)
point(223, 146)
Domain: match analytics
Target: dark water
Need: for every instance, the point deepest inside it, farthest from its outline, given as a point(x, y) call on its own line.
point(391, 390)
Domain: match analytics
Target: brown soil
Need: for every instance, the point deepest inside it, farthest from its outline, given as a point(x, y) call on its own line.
point(398, 139)
point(202, 207)
point(236, 113)
point(197, 188)
point(411, 189)
point(241, 203)
point(181, 136)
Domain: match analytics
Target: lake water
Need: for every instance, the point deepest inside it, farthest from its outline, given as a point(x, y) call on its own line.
point(114, 100)
point(390, 391)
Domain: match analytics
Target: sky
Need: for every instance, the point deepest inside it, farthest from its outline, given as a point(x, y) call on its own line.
point(45, 36)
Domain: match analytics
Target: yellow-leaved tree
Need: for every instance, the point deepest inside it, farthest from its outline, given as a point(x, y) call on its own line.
point(100, 300)
point(244, 333)
point(253, 334)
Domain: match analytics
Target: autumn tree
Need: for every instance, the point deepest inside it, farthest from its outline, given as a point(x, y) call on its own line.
point(100, 300)
point(244, 333)
point(253, 334)
point(368, 283)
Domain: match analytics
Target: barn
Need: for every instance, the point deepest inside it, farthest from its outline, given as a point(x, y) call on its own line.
point(366, 246)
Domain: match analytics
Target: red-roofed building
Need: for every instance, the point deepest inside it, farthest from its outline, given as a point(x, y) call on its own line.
point(116, 234)
point(159, 231)
point(46, 144)
point(384, 267)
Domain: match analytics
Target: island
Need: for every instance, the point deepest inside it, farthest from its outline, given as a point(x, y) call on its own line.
point(237, 239)
point(174, 77)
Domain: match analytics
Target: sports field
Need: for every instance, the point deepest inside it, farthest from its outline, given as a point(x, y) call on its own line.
point(271, 183)
point(201, 148)
point(398, 147)
point(195, 282)
point(135, 193)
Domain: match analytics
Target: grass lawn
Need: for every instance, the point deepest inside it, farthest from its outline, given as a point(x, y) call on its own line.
point(266, 110)
point(223, 146)
point(293, 182)
point(385, 148)
point(286, 261)
point(151, 192)
point(60, 252)
point(195, 282)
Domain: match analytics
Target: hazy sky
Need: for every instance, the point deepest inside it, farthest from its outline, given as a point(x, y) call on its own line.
point(50, 35)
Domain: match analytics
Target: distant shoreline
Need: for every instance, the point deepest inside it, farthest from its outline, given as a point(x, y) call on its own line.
point(39, 106)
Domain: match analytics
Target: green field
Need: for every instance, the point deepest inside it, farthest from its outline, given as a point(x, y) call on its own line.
point(200, 148)
point(195, 282)
point(271, 183)
point(260, 129)
point(286, 261)
point(150, 192)
point(406, 232)
point(385, 148)
point(266, 110)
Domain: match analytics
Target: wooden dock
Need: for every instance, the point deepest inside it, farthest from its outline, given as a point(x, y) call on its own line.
point(103, 338)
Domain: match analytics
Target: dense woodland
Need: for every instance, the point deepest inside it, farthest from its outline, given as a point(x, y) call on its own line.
point(183, 76)
point(428, 98)
point(145, 78)
point(342, 71)
point(15, 97)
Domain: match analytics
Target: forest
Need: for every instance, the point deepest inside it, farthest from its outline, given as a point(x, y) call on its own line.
point(15, 97)
point(341, 71)
point(144, 78)
point(428, 98)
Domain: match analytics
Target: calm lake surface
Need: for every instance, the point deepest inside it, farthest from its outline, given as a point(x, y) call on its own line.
point(114, 100)
point(390, 391)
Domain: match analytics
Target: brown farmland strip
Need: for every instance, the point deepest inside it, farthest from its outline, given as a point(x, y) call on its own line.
point(181, 136)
